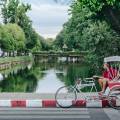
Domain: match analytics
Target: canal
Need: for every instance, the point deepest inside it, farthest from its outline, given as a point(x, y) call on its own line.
point(42, 77)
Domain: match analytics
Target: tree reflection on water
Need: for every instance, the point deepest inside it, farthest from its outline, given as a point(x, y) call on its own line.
point(26, 79)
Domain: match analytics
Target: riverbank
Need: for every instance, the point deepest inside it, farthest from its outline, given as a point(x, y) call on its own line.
point(8, 62)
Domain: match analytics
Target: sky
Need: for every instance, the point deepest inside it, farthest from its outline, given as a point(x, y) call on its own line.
point(47, 16)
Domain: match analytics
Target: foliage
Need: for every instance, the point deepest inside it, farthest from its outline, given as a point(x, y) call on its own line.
point(17, 58)
point(97, 5)
point(15, 12)
point(72, 30)
point(37, 46)
point(12, 10)
point(97, 36)
point(17, 34)
point(101, 41)
point(102, 8)
point(46, 44)
point(11, 37)
point(85, 31)
point(20, 82)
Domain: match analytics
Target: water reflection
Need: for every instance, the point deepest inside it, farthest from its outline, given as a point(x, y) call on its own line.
point(1, 77)
point(42, 77)
point(49, 83)
point(18, 79)
point(60, 74)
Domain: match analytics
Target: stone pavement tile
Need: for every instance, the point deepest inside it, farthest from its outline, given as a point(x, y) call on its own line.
point(97, 114)
point(113, 114)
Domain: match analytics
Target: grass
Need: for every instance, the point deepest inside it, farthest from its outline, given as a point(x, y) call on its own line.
point(17, 58)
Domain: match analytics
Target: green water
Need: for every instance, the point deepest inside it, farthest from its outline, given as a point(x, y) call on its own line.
point(42, 77)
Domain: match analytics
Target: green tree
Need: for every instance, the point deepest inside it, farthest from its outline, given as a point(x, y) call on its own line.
point(6, 40)
point(72, 30)
point(36, 41)
point(102, 8)
point(85, 31)
point(46, 45)
point(17, 34)
point(101, 41)
point(98, 5)
point(12, 38)
point(15, 12)
point(12, 10)
point(59, 42)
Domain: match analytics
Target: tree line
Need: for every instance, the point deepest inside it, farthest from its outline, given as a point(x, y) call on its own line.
point(94, 26)
point(16, 33)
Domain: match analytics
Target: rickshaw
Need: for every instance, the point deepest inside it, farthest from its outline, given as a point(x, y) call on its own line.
point(112, 93)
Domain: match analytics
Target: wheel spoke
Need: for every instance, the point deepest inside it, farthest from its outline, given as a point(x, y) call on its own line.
point(65, 96)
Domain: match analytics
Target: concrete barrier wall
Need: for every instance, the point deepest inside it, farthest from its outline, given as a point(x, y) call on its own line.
point(6, 64)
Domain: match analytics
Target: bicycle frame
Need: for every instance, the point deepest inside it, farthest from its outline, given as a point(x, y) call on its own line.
point(77, 89)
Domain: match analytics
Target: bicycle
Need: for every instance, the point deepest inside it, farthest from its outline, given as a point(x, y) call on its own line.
point(69, 93)
point(64, 95)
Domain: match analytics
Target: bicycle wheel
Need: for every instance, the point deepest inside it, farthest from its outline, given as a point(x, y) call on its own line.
point(65, 96)
point(114, 98)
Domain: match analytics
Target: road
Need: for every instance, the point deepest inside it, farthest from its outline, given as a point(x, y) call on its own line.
point(59, 114)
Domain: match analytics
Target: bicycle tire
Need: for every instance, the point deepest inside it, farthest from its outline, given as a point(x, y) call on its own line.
point(65, 97)
point(114, 98)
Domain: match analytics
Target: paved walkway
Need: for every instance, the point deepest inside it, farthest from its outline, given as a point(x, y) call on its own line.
point(59, 114)
point(30, 96)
